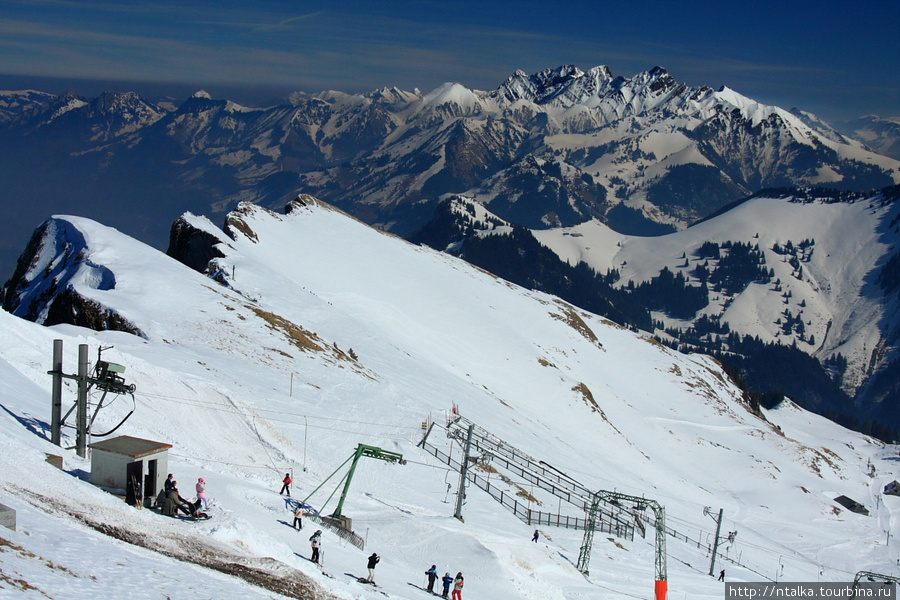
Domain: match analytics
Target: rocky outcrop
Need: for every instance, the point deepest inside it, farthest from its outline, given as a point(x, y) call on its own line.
point(42, 290)
point(192, 246)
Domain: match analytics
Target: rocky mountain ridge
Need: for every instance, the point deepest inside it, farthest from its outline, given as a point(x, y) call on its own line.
point(640, 153)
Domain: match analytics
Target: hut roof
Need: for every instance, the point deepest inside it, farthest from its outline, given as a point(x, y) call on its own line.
point(130, 446)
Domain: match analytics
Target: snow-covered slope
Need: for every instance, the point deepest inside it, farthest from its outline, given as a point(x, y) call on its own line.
point(831, 281)
point(322, 334)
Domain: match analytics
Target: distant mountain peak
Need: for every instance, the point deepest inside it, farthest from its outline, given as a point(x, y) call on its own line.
point(392, 95)
point(544, 86)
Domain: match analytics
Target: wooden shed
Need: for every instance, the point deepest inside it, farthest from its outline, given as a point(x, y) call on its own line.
point(135, 465)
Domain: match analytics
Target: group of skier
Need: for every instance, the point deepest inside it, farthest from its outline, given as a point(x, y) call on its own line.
point(171, 501)
point(457, 582)
point(315, 542)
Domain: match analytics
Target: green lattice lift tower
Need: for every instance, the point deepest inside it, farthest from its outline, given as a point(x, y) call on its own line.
point(362, 450)
point(659, 512)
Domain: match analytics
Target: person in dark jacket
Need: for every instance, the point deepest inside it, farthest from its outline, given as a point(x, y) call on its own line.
point(373, 560)
point(170, 483)
point(174, 502)
point(432, 577)
point(535, 537)
point(169, 508)
point(315, 542)
point(446, 580)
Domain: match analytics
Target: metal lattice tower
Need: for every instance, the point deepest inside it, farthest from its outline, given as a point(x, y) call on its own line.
point(659, 512)
point(584, 555)
point(873, 577)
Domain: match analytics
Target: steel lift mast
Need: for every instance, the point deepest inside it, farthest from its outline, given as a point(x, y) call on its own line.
point(659, 512)
point(362, 450)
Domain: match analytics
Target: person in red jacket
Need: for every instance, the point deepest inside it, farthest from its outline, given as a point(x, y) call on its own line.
point(458, 583)
point(287, 485)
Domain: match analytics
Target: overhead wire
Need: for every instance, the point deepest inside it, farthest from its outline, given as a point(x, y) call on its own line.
point(223, 462)
point(225, 409)
point(220, 407)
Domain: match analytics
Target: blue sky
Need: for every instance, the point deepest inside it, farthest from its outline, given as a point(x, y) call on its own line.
point(837, 59)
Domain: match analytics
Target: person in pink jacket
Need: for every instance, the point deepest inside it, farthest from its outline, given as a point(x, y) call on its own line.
point(201, 493)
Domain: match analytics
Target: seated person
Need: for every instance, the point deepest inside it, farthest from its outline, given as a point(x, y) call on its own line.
point(174, 502)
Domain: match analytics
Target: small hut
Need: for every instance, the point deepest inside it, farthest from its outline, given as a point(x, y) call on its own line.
point(852, 505)
point(135, 465)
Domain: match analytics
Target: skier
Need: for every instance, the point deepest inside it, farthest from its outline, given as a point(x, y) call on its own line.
point(432, 577)
point(201, 493)
point(287, 485)
point(446, 580)
point(458, 584)
point(373, 560)
point(722, 575)
point(535, 537)
point(298, 521)
point(315, 541)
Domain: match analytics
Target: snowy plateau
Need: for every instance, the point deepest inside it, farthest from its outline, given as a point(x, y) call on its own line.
point(320, 333)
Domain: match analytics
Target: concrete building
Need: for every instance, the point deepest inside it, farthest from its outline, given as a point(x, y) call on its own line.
point(137, 466)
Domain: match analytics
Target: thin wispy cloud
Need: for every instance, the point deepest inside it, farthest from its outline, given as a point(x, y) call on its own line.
point(289, 24)
point(355, 46)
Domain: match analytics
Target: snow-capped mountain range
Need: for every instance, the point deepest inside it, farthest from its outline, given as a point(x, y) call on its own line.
point(636, 152)
point(313, 333)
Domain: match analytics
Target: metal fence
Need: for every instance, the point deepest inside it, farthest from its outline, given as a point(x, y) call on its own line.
point(557, 483)
point(607, 524)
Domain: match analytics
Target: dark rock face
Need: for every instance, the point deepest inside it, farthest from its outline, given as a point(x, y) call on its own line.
point(40, 290)
point(68, 307)
point(10, 295)
point(191, 246)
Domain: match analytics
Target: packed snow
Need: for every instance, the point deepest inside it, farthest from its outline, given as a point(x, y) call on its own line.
point(328, 334)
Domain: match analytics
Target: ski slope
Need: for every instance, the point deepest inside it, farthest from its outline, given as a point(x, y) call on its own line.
point(256, 378)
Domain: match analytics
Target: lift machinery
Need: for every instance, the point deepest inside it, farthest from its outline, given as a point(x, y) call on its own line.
point(362, 450)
